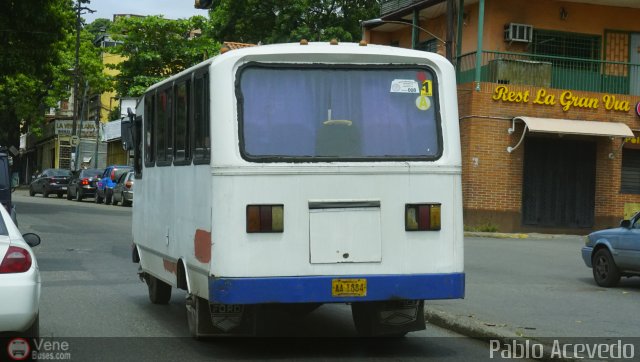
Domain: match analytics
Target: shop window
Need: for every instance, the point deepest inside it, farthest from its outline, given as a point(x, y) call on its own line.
point(630, 183)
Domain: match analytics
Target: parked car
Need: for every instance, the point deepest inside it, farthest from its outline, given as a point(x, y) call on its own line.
point(50, 181)
point(123, 191)
point(19, 280)
point(614, 253)
point(6, 184)
point(108, 180)
point(83, 183)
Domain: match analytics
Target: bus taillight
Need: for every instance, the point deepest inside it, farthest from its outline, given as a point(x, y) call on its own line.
point(265, 218)
point(422, 217)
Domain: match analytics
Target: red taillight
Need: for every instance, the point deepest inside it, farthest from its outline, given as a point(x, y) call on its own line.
point(265, 218)
point(85, 181)
point(17, 260)
point(422, 217)
point(113, 174)
point(128, 184)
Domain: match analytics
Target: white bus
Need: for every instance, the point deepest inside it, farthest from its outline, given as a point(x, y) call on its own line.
point(293, 175)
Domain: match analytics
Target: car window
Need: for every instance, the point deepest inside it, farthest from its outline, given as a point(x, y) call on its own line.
point(92, 172)
point(3, 227)
point(4, 176)
point(121, 171)
point(60, 172)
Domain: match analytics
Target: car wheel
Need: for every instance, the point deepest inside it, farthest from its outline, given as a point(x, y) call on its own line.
point(31, 192)
point(605, 270)
point(125, 202)
point(159, 291)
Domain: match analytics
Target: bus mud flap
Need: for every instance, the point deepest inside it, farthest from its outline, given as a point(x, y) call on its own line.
point(388, 318)
point(219, 320)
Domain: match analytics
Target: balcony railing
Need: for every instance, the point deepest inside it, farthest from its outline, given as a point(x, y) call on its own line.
point(551, 71)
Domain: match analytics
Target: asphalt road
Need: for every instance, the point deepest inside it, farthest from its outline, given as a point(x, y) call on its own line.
point(540, 287)
point(93, 300)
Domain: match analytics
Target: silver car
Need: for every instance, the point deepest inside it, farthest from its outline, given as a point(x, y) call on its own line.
point(614, 253)
point(123, 191)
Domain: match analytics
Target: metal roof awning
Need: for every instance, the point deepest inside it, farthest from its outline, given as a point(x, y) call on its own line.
point(568, 126)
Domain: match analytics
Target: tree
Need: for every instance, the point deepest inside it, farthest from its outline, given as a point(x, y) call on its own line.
point(30, 34)
point(155, 48)
point(277, 21)
point(98, 26)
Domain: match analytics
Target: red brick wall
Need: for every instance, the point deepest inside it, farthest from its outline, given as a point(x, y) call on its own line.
point(492, 177)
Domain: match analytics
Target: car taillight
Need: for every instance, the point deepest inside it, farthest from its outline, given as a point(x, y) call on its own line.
point(422, 217)
point(85, 181)
point(128, 184)
point(265, 218)
point(17, 260)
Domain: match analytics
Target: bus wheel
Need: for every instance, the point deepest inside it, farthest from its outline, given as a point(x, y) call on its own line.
point(198, 316)
point(159, 291)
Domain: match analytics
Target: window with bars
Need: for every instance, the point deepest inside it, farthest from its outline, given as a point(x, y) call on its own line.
point(630, 180)
point(568, 45)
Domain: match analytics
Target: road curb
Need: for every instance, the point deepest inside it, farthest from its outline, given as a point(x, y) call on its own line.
point(473, 328)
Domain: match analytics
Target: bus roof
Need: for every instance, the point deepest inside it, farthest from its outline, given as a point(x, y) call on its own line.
point(345, 53)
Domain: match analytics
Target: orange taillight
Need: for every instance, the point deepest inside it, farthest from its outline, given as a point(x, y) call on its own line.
point(265, 218)
point(422, 217)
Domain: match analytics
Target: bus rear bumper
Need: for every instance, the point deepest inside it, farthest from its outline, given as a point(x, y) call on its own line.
point(318, 289)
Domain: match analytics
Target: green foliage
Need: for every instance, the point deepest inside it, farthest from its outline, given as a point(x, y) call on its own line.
point(30, 33)
point(155, 48)
point(279, 21)
point(487, 227)
point(98, 26)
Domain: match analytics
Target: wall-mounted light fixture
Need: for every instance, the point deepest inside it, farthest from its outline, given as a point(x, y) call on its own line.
point(563, 13)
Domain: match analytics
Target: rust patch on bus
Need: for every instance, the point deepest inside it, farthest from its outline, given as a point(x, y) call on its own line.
point(202, 245)
point(170, 266)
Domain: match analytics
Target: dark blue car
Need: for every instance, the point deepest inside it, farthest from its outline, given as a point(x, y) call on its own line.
point(108, 180)
point(614, 253)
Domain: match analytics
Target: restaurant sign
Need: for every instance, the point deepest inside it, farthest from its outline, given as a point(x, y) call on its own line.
point(565, 99)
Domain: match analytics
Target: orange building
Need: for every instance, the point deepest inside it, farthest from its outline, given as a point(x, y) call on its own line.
point(549, 94)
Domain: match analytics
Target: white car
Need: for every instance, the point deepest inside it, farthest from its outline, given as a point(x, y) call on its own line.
point(19, 280)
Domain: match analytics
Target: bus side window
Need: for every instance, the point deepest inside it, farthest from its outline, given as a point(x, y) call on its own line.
point(149, 121)
point(181, 138)
point(201, 109)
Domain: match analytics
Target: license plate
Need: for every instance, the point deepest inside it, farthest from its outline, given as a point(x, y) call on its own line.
point(349, 287)
point(64, 188)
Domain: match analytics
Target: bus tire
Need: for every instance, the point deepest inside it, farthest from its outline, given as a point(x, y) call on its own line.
point(159, 291)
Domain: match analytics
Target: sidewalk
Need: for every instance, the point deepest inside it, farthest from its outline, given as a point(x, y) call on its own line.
point(535, 286)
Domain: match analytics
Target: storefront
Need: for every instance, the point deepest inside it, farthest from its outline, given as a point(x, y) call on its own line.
point(548, 160)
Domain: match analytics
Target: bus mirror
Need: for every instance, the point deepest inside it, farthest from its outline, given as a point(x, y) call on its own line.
point(126, 131)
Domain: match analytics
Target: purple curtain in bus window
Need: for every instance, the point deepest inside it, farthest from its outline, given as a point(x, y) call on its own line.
point(304, 112)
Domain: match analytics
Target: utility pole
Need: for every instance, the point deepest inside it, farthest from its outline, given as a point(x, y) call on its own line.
point(76, 71)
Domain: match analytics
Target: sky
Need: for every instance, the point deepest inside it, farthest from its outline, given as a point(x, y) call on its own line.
point(171, 9)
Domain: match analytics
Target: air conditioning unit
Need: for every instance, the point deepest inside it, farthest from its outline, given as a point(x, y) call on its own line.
point(518, 32)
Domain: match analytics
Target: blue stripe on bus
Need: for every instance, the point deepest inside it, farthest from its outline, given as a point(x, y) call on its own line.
point(308, 289)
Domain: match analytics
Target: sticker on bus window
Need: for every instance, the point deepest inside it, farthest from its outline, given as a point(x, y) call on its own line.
point(423, 103)
point(404, 86)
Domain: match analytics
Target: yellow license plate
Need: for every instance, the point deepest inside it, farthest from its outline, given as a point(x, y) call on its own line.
point(349, 287)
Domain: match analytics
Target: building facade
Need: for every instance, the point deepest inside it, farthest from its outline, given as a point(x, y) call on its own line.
point(549, 96)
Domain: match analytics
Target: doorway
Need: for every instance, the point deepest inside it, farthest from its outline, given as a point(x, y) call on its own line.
point(559, 183)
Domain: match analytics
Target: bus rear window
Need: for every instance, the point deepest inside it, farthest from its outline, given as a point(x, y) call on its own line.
point(312, 113)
